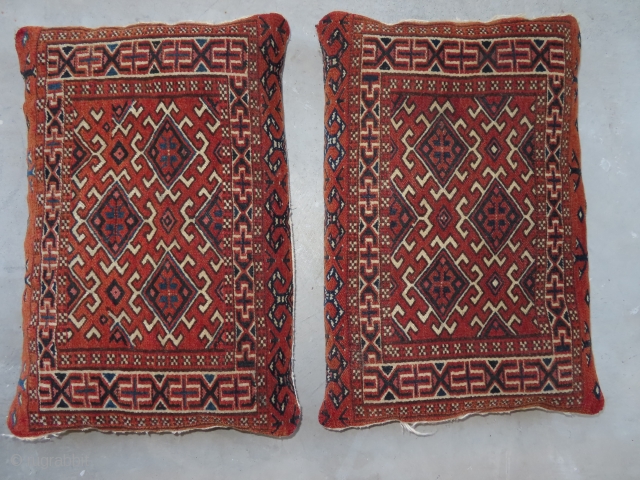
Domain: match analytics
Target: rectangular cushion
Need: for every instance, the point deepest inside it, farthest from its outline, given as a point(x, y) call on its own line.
point(159, 265)
point(456, 271)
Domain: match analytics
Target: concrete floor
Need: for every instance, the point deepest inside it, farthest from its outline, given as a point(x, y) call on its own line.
point(529, 445)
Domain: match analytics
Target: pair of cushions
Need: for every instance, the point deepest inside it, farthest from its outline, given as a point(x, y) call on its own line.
point(159, 283)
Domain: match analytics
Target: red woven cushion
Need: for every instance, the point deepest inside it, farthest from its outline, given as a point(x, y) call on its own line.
point(456, 255)
point(159, 276)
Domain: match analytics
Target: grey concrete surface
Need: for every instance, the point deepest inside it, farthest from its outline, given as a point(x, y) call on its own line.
point(528, 445)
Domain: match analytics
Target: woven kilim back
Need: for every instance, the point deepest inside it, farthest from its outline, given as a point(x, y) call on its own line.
point(159, 274)
point(456, 256)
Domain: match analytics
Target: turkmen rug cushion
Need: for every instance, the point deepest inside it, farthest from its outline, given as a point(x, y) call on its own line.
point(159, 263)
point(456, 260)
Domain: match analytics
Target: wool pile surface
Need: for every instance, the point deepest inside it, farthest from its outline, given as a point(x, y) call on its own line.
point(159, 264)
point(456, 266)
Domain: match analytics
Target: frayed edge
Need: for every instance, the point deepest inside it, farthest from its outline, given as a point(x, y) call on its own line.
point(56, 435)
point(504, 17)
point(462, 22)
point(410, 427)
point(38, 439)
point(464, 417)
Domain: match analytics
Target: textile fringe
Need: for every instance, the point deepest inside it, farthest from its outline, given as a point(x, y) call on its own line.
point(410, 427)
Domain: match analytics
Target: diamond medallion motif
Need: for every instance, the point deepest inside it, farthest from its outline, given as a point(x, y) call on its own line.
point(442, 150)
point(169, 152)
point(494, 149)
point(496, 217)
point(169, 292)
point(167, 220)
point(119, 153)
point(442, 284)
point(115, 221)
point(444, 218)
point(495, 283)
point(115, 292)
